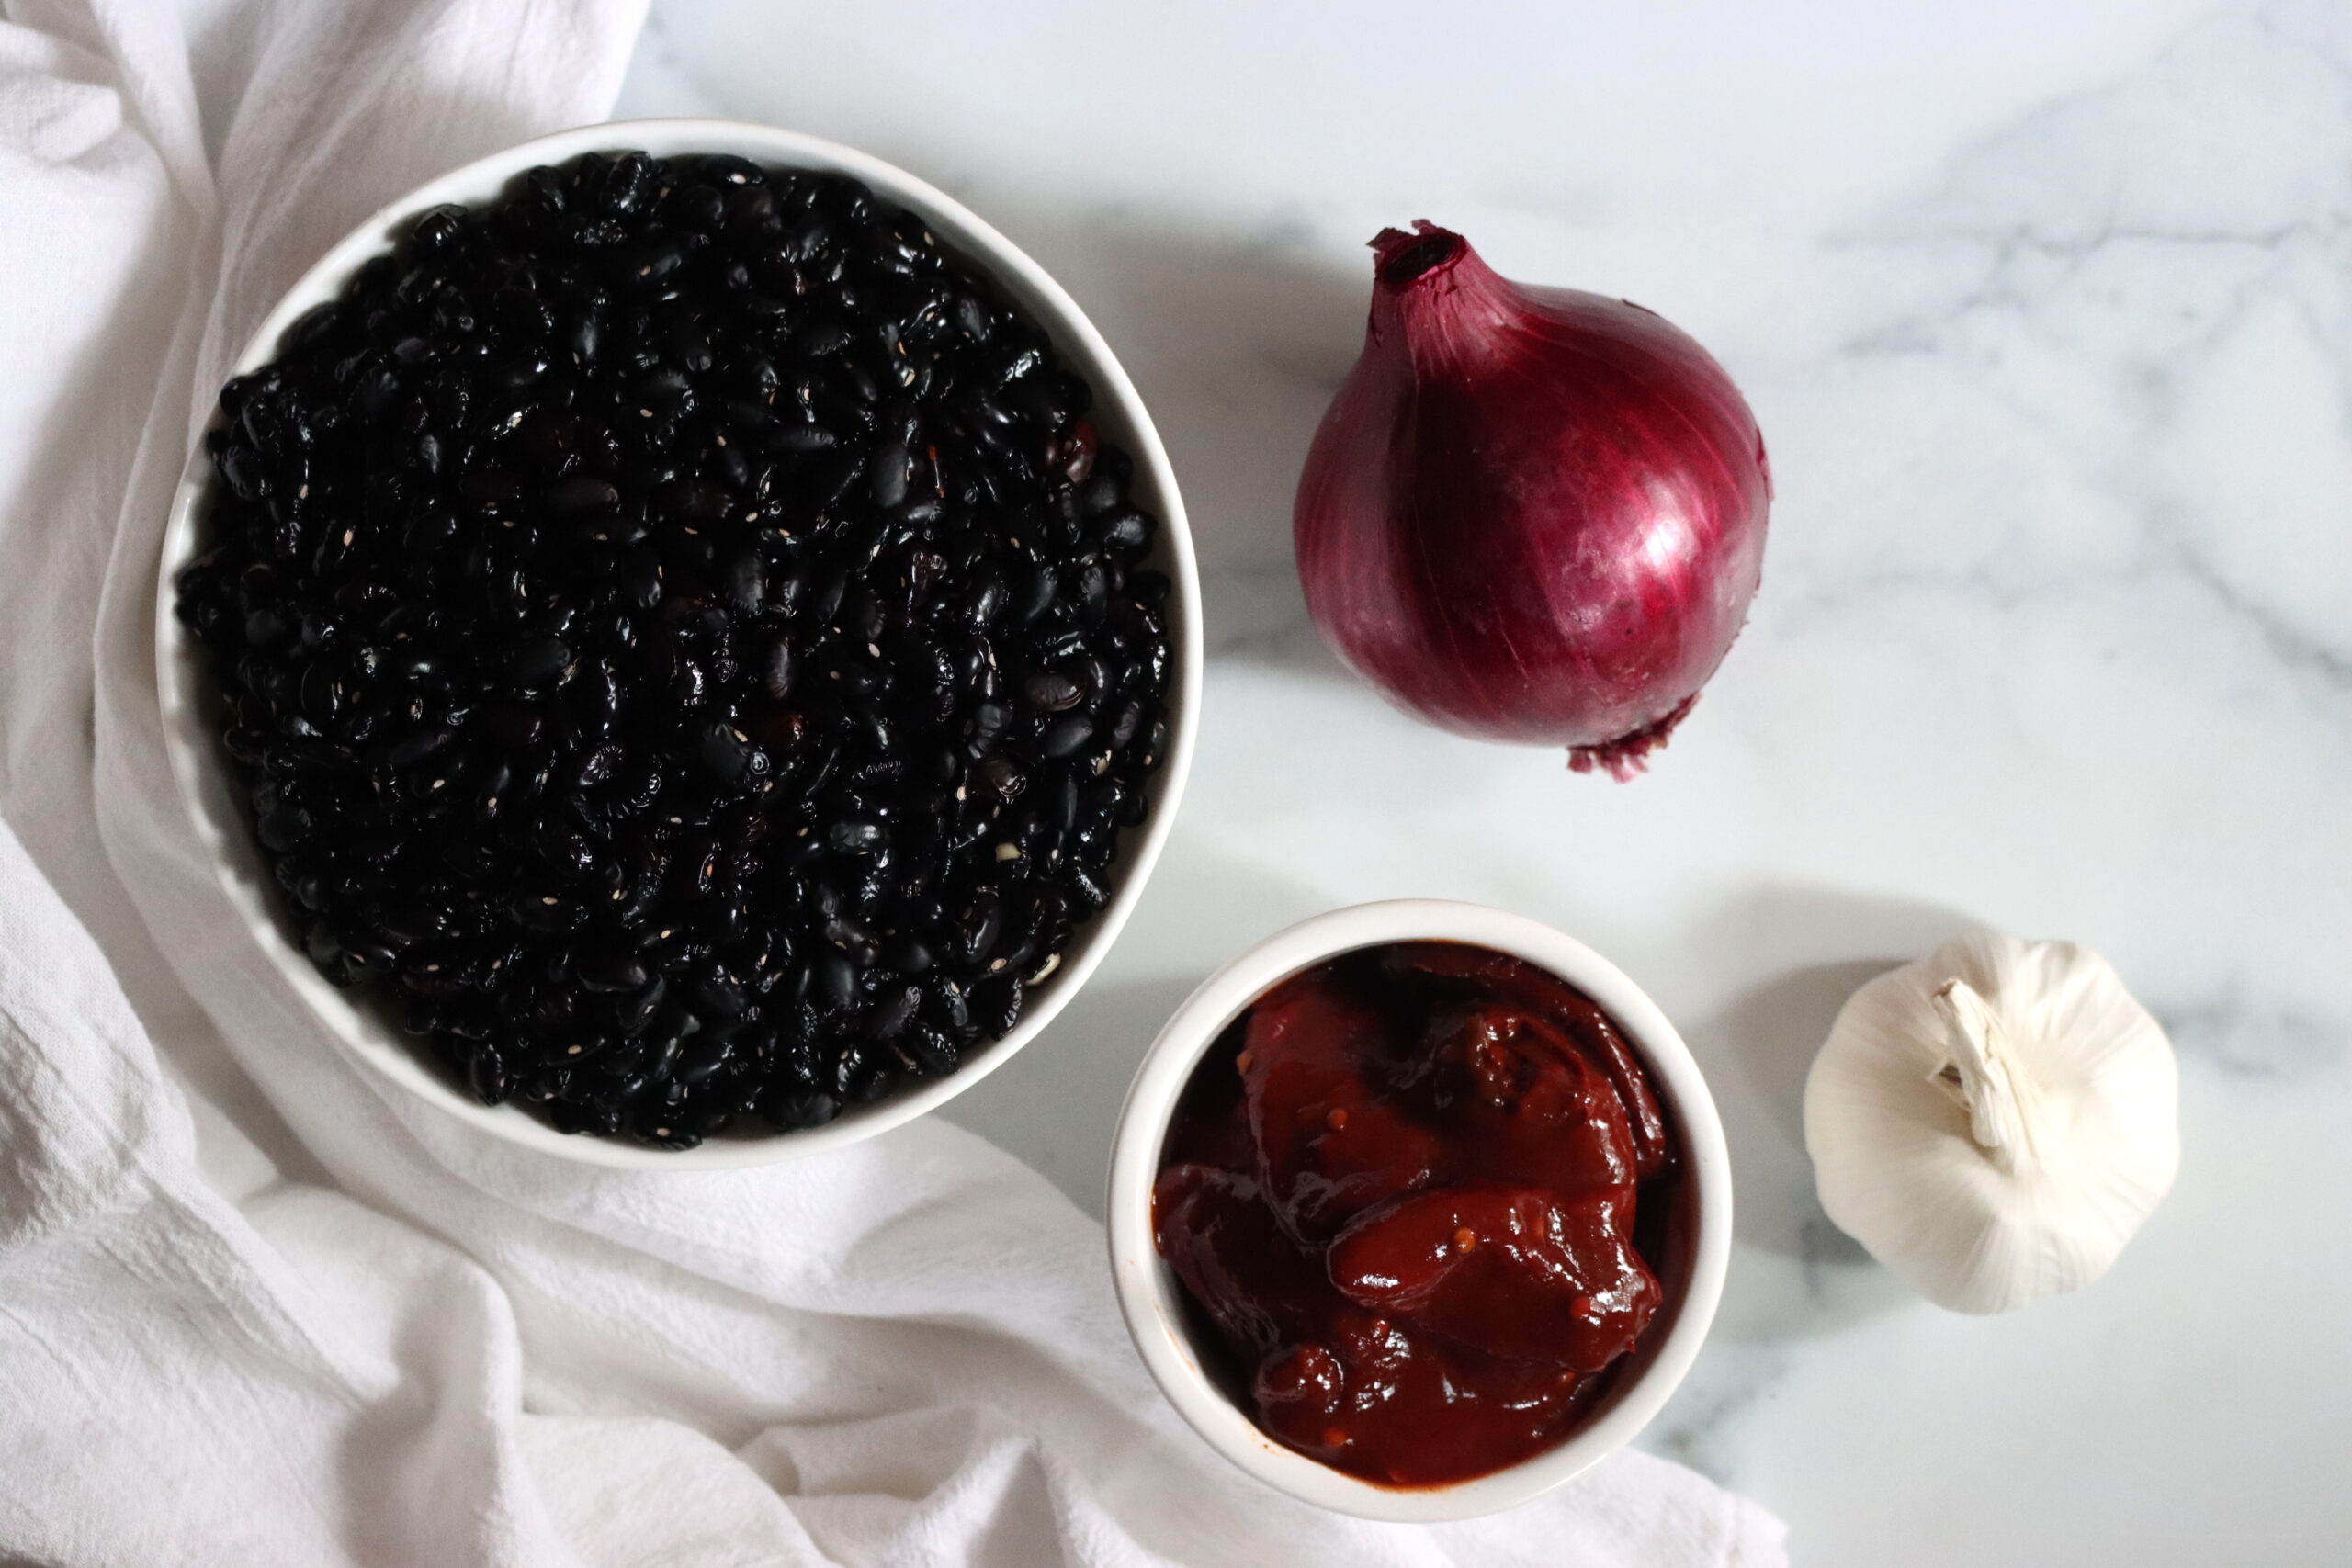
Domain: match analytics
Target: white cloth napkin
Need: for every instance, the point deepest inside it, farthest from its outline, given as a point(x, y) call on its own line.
point(389, 1340)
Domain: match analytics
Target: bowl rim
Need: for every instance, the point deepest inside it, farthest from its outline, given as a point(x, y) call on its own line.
point(1148, 1291)
point(215, 820)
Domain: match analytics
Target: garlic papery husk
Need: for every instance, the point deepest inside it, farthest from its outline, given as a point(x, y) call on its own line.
point(1993, 1121)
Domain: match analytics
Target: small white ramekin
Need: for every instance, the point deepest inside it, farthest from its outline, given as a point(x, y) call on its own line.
point(1151, 1299)
point(219, 818)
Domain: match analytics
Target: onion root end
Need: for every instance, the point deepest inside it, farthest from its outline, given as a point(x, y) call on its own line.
point(1628, 755)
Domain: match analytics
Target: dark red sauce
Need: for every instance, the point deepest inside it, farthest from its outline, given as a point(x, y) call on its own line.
point(1421, 1198)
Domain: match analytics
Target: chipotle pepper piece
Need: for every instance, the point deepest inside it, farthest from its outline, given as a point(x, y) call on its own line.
point(1330, 1144)
point(1510, 1271)
point(1580, 1021)
point(1521, 1106)
point(1256, 1284)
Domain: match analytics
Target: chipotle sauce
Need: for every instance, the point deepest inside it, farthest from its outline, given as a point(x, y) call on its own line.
point(1420, 1197)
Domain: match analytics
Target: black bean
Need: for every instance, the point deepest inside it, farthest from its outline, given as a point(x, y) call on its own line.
point(700, 1059)
point(931, 1050)
point(1066, 734)
point(1149, 587)
point(697, 504)
point(821, 339)
point(638, 581)
point(1128, 722)
point(1093, 593)
point(665, 1126)
point(827, 600)
point(492, 1082)
point(264, 628)
point(284, 828)
point(689, 683)
point(1018, 957)
point(999, 779)
point(611, 970)
point(894, 1012)
point(649, 265)
point(802, 1108)
point(734, 468)
point(743, 582)
point(944, 1000)
point(863, 617)
point(582, 494)
point(245, 471)
point(533, 661)
point(493, 791)
point(721, 998)
point(1034, 590)
point(636, 1008)
point(513, 724)
point(322, 946)
point(1125, 531)
point(835, 977)
point(585, 337)
point(801, 438)
point(865, 1072)
point(692, 350)
point(996, 1003)
point(988, 722)
point(778, 666)
point(1049, 691)
point(418, 745)
point(727, 169)
point(986, 602)
point(1061, 801)
point(980, 925)
point(887, 476)
point(1090, 890)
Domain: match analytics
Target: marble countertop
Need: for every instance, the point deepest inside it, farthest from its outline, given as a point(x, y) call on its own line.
point(2044, 310)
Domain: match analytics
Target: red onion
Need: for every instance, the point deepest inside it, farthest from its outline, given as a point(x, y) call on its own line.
point(1530, 514)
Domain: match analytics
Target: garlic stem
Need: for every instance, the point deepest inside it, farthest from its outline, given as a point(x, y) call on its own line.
point(1983, 1077)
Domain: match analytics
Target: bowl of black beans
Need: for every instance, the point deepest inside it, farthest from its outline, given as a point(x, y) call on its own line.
point(682, 643)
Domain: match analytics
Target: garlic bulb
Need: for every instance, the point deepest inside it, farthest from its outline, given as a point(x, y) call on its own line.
point(1993, 1121)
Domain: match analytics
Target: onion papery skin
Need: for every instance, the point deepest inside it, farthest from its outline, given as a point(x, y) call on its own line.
point(1532, 515)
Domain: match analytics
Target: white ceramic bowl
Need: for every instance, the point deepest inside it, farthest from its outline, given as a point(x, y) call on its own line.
point(219, 817)
point(1151, 1298)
